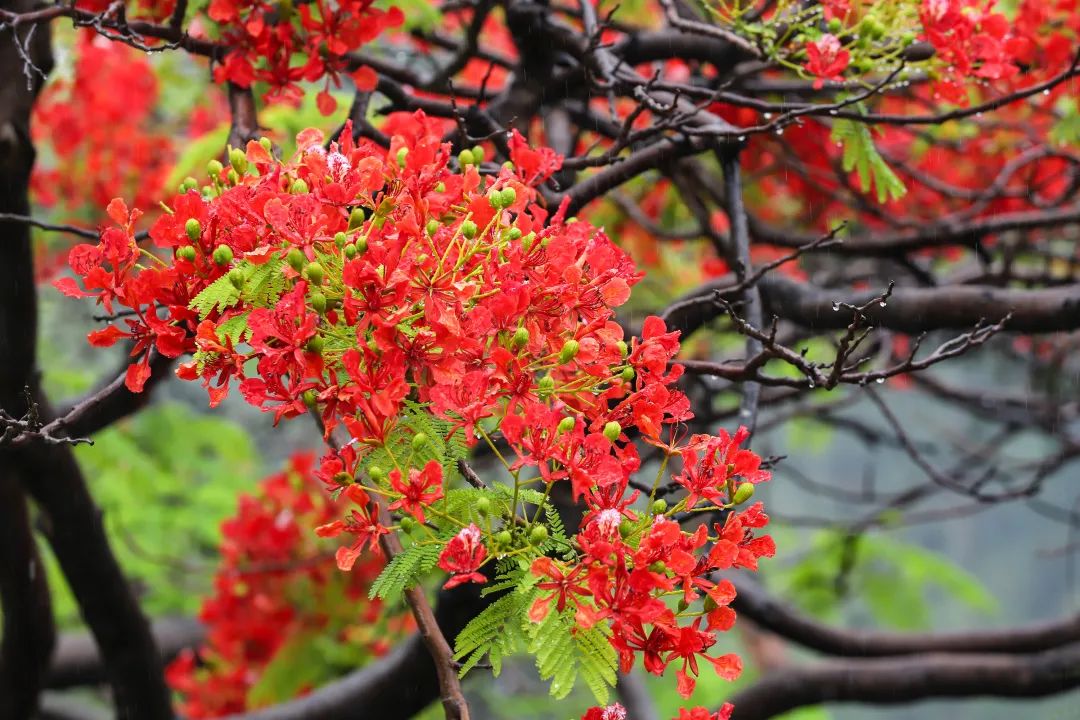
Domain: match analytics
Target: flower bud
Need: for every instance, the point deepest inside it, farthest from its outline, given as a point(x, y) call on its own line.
point(432, 227)
point(315, 345)
point(214, 168)
point(658, 567)
point(419, 441)
point(238, 160)
point(298, 187)
point(376, 473)
point(402, 153)
point(465, 157)
point(483, 506)
point(508, 165)
point(233, 177)
point(612, 431)
point(314, 272)
point(310, 398)
point(468, 229)
point(569, 351)
point(361, 245)
point(478, 154)
point(189, 184)
point(186, 252)
point(503, 538)
point(407, 524)
point(223, 255)
point(682, 605)
point(659, 507)
point(509, 196)
point(566, 425)
point(624, 349)
point(356, 218)
point(495, 199)
point(237, 277)
point(341, 478)
point(528, 240)
point(835, 25)
point(545, 386)
point(626, 528)
point(318, 302)
point(350, 251)
point(538, 535)
point(744, 492)
point(513, 234)
point(266, 144)
point(341, 239)
point(440, 187)
point(521, 337)
point(296, 259)
point(193, 229)
point(627, 374)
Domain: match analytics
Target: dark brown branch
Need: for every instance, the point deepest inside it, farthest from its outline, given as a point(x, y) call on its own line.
point(891, 681)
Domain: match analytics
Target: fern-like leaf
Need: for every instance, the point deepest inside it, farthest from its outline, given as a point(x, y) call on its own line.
point(404, 570)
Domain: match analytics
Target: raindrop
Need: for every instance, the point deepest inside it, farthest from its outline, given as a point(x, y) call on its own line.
point(882, 303)
point(779, 131)
point(811, 384)
point(742, 138)
point(768, 116)
point(880, 381)
point(836, 307)
point(834, 111)
point(1046, 91)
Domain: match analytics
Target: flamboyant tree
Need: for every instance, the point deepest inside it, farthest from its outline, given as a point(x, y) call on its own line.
point(522, 455)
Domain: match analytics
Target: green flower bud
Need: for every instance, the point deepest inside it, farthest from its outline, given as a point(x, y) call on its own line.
point(237, 277)
point(478, 154)
point(419, 441)
point(233, 177)
point(503, 538)
point(612, 431)
point(569, 351)
point(432, 227)
point(341, 239)
point(296, 259)
point(402, 153)
point(624, 349)
point(298, 187)
point(350, 251)
point(483, 506)
point(709, 604)
point(356, 218)
point(193, 229)
point(223, 255)
point(408, 524)
point(310, 398)
point(343, 478)
point(214, 168)
point(361, 245)
point(835, 24)
point(509, 196)
point(659, 507)
point(627, 374)
point(658, 567)
point(545, 386)
point(189, 184)
point(513, 234)
point(314, 272)
point(318, 302)
point(238, 160)
point(682, 604)
point(508, 165)
point(315, 345)
point(186, 252)
point(521, 337)
point(465, 157)
point(440, 187)
point(266, 144)
point(743, 492)
point(376, 473)
point(495, 199)
point(626, 528)
point(528, 240)
point(566, 425)
point(468, 229)
point(538, 535)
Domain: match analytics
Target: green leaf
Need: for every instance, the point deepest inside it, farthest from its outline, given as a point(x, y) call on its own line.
point(404, 570)
point(217, 296)
point(861, 155)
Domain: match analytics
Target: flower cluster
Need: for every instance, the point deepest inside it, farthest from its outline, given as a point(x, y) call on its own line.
point(267, 39)
point(618, 712)
point(387, 291)
point(275, 589)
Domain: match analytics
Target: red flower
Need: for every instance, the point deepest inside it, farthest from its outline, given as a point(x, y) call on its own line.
point(826, 59)
point(463, 556)
point(423, 488)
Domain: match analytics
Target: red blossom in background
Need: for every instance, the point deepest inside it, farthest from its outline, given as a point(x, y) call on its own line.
point(826, 59)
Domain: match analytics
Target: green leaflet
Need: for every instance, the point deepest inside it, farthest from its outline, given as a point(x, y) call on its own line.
point(404, 570)
point(563, 651)
point(861, 155)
